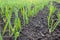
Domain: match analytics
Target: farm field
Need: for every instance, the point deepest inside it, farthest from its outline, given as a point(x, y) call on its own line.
point(29, 19)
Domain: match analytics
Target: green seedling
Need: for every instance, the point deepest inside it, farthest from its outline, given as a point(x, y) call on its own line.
point(51, 24)
point(0, 34)
point(56, 23)
point(16, 35)
point(25, 16)
point(8, 14)
point(52, 10)
point(1, 37)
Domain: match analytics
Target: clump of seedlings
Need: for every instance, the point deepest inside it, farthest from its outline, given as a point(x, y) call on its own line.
point(50, 20)
point(52, 24)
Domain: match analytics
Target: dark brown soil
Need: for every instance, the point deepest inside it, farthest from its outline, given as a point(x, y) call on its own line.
point(37, 29)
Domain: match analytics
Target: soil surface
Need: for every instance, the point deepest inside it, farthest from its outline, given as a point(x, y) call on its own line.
point(37, 29)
